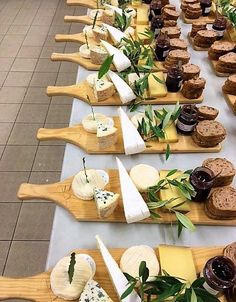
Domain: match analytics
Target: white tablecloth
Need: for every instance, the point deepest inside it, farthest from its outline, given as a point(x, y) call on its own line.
point(68, 234)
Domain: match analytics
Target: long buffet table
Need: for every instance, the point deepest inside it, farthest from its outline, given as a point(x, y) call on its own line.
point(68, 234)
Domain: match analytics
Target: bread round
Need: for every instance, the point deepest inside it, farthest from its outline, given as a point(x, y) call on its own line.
point(207, 113)
point(144, 176)
point(230, 252)
point(210, 129)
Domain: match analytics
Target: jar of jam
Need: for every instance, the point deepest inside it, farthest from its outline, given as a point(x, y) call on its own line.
point(220, 275)
point(219, 26)
point(202, 179)
point(162, 46)
point(155, 9)
point(187, 119)
point(206, 7)
point(156, 24)
point(174, 78)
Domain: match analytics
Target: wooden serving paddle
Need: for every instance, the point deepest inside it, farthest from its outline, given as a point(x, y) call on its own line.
point(88, 3)
point(77, 38)
point(81, 19)
point(231, 99)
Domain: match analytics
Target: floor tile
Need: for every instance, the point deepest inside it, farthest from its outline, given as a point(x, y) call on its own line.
point(3, 76)
point(4, 247)
point(34, 40)
point(8, 112)
point(38, 30)
point(70, 49)
point(5, 130)
point(8, 51)
point(58, 113)
point(44, 177)
point(43, 79)
point(24, 134)
point(76, 28)
point(19, 79)
point(49, 158)
point(8, 218)
point(15, 40)
point(62, 100)
point(32, 52)
point(66, 78)
point(42, 20)
point(48, 50)
point(35, 221)
point(18, 29)
point(59, 29)
point(26, 258)
point(32, 113)
point(36, 95)
point(17, 158)
point(4, 28)
point(10, 183)
point(54, 142)
point(50, 41)
point(21, 64)
point(69, 67)
point(12, 94)
point(5, 64)
point(46, 65)
point(1, 150)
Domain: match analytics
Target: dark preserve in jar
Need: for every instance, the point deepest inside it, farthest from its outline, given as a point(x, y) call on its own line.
point(202, 179)
point(162, 46)
point(219, 26)
point(206, 7)
point(220, 274)
point(174, 79)
point(187, 119)
point(155, 9)
point(156, 24)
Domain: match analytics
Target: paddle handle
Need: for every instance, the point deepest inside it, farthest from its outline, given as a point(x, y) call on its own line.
point(77, 19)
point(48, 134)
point(31, 191)
point(66, 38)
point(61, 90)
point(60, 56)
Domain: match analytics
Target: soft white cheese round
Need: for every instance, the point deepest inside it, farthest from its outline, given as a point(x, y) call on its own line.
point(89, 260)
point(131, 12)
point(144, 176)
point(132, 257)
point(90, 124)
point(93, 12)
point(84, 51)
point(88, 30)
point(137, 118)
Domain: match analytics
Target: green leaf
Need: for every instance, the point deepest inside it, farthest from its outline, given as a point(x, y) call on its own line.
point(205, 295)
point(166, 120)
point(185, 221)
point(167, 151)
point(105, 67)
point(157, 79)
point(128, 291)
point(198, 282)
point(171, 172)
point(180, 228)
point(95, 19)
point(193, 296)
point(71, 268)
point(129, 277)
point(142, 268)
point(154, 215)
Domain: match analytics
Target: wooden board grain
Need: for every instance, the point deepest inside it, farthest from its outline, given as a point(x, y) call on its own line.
point(87, 3)
point(83, 210)
point(88, 141)
point(77, 38)
point(231, 99)
point(82, 90)
point(37, 288)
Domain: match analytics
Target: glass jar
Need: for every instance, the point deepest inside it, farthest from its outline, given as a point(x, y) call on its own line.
point(220, 274)
point(219, 26)
point(206, 7)
point(156, 24)
point(174, 79)
point(187, 119)
point(202, 179)
point(162, 46)
point(155, 9)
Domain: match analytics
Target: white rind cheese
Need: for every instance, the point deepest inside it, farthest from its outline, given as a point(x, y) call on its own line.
point(132, 257)
point(135, 207)
point(98, 54)
point(106, 202)
point(100, 33)
point(115, 34)
point(89, 260)
point(144, 176)
point(84, 51)
point(107, 136)
point(103, 89)
point(93, 77)
point(118, 279)
point(133, 142)
point(93, 12)
point(88, 30)
point(114, 8)
point(90, 122)
point(120, 60)
point(125, 92)
point(93, 292)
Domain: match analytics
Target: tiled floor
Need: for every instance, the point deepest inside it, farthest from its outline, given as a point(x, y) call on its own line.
point(27, 29)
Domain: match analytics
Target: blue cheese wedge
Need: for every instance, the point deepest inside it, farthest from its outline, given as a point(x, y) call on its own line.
point(93, 292)
point(100, 33)
point(107, 136)
point(103, 89)
point(106, 202)
point(98, 54)
point(84, 51)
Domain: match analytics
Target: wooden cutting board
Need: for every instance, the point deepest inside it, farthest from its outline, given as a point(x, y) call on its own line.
point(87, 3)
point(37, 288)
point(76, 135)
point(231, 99)
point(77, 38)
point(85, 210)
point(82, 90)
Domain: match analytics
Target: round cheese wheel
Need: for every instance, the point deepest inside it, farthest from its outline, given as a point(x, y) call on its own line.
point(90, 125)
point(84, 51)
point(132, 257)
point(88, 30)
point(93, 12)
point(89, 260)
point(130, 11)
point(144, 176)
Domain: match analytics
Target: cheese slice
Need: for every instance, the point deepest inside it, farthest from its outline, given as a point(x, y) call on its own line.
point(173, 192)
point(106, 202)
point(88, 30)
point(94, 12)
point(84, 51)
point(103, 89)
point(116, 34)
point(118, 279)
point(120, 60)
point(140, 29)
point(133, 142)
point(93, 77)
point(171, 135)
point(90, 122)
point(142, 15)
point(178, 262)
point(135, 207)
point(150, 177)
point(107, 136)
point(100, 33)
point(94, 292)
point(155, 88)
point(125, 92)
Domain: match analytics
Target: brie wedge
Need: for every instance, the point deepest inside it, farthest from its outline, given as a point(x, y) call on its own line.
point(85, 190)
point(120, 60)
point(107, 136)
point(144, 176)
point(133, 142)
point(135, 207)
point(93, 77)
point(106, 202)
point(93, 292)
point(125, 92)
point(90, 122)
point(84, 51)
point(93, 12)
point(103, 89)
point(115, 34)
point(118, 279)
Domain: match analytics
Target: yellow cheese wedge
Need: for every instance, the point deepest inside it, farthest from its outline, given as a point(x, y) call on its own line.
point(143, 61)
point(171, 135)
point(139, 30)
point(178, 262)
point(173, 192)
point(155, 88)
point(142, 15)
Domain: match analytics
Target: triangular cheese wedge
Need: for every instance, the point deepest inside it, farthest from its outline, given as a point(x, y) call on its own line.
point(135, 207)
point(107, 136)
point(106, 202)
point(94, 292)
point(133, 142)
point(114, 8)
point(118, 279)
point(103, 89)
point(116, 34)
